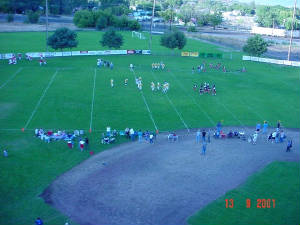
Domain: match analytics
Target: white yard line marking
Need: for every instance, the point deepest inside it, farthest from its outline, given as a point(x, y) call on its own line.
point(252, 110)
point(93, 98)
point(12, 77)
point(150, 114)
point(149, 111)
point(191, 97)
point(173, 106)
point(40, 100)
point(231, 113)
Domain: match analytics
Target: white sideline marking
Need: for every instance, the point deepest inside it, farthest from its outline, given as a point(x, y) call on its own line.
point(171, 103)
point(93, 98)
point(40, 100)
point(12, 77)
point(202, 110)
point(150, 113)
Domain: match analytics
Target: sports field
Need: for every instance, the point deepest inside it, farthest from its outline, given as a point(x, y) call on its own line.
point(72, 93)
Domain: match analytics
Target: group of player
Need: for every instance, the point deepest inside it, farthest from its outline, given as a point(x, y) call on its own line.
point(200, 68)
point(14, 59)
point(157, 66)
point(165, 87)
point(139, 83)
point(205, 88)
point(103, 63)
point(42, 60)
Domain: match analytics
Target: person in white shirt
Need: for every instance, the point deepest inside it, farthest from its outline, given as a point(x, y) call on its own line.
point(131, 132)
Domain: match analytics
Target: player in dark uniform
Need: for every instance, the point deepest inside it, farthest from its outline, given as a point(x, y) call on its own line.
point(201, 90)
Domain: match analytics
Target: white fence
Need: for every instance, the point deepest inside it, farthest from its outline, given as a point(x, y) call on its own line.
point(275, 61)
point(77, 53)
point(274, 32)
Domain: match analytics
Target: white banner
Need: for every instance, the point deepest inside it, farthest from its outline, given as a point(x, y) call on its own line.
point(146, 52)
point(274, 61)
point(76, 53)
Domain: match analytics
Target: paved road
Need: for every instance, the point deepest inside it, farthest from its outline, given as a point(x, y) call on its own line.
point(53, 19)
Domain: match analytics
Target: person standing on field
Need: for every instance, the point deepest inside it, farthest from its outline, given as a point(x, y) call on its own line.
point(198, 133)
point(203, 148)
point(265, 127)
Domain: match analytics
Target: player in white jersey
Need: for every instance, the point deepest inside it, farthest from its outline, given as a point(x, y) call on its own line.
point(152, 86)
point(112, 83)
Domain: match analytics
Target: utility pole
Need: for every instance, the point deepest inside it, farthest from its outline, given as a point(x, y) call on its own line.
point(46, 26)
point(273, 28)
point(150, 40)
point(291, 38)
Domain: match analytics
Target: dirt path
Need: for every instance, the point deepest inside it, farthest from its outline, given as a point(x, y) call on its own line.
point(163, 183)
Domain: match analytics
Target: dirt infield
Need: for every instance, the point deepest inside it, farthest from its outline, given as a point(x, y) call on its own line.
point(164, 183)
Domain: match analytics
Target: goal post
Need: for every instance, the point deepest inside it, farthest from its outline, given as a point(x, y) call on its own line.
point(138, 35)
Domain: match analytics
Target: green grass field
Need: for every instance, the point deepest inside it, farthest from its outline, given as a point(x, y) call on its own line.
point(60, 96)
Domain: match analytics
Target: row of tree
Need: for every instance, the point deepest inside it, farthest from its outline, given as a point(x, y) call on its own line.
point(277, 16)
point(59, 7)
point(102, 19)
point(66, 38)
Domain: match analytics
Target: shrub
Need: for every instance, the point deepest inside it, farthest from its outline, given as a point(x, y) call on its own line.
point(112, 39)
point(174, 39)
point(191, 29)
point(84, 18)
point(256, 46)
point(10, 18)
point(101, 22)
point(134, 25)
point(32, 17)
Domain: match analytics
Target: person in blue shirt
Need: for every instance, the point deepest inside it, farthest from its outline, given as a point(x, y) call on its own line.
point(265, 127)
point(258, 126)
point(38, 221)
point(140, 135)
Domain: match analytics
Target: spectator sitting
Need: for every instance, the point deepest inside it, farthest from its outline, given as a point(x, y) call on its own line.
point(172, 137)
point(76, 133)
point(217, 134)
point(235, 134)
point(230, 134)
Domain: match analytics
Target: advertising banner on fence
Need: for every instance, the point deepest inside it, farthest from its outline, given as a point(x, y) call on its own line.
point(130, 52)
point(78, 53)
point(185, 54)
point(146, 52)
point(194, 54)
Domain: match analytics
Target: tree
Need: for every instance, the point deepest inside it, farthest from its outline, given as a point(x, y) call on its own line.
point(63, 38)
point(215, 19)
point(175, 39)
point(32, 17)
point(84, 18)
point(256, 46)
point(112, 39)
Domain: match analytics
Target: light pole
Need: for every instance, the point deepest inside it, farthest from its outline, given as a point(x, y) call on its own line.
point(46, 26)
point(291, 38)
point(150, 40)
